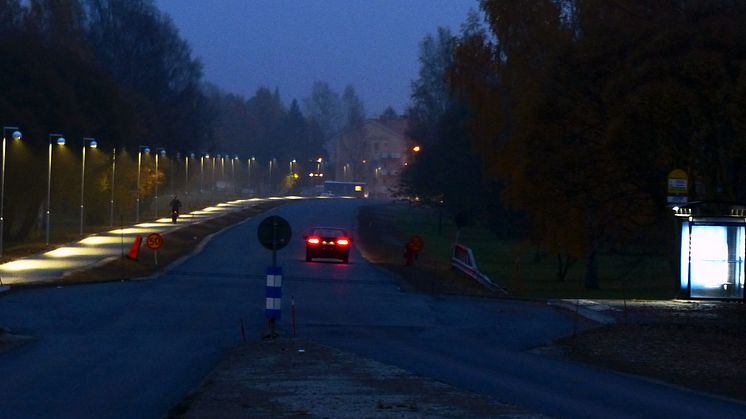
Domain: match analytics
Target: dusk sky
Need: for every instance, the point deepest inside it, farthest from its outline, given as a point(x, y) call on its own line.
point(289, 44)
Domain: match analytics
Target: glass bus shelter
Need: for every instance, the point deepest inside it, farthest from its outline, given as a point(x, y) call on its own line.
point(713, 249)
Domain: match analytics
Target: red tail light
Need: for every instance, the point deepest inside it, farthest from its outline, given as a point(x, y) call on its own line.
point(313, 240)
point(343, 242)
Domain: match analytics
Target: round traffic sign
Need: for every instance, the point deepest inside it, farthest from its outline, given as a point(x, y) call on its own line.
point(274, 232)
point(155, 241)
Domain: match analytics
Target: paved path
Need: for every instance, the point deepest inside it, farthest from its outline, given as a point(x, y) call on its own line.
point(103, 247)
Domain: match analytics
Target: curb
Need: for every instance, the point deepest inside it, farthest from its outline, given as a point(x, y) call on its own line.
point(588, 309)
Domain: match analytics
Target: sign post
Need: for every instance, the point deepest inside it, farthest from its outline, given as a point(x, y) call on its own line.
point(273, 233)
point(155, 242)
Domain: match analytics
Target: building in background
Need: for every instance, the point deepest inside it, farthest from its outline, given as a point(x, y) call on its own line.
point(374, 153)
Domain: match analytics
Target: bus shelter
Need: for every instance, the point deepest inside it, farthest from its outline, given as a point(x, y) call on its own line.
point(713, 249)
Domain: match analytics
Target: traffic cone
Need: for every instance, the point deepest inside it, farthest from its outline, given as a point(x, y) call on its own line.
point(134, 253)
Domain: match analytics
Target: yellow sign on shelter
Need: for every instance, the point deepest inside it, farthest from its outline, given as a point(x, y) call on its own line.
point(678, 182)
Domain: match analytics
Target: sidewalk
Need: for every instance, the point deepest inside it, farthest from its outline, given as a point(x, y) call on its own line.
point(98, 249)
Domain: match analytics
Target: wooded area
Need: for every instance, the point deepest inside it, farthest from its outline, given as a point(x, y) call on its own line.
point(574, 111)
point(119, 72)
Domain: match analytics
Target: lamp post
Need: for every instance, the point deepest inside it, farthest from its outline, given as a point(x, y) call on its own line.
point(162, 152)
point(113, 173)
point(172, 167)
point(269, 191)
point(93, 144)
point(248, 170)
point(233, 173)
point(140, 149)
point(202, 172)
point(16, 135)
point(222, 167)
point(61, 141)
point(212, 176)
point(186, 172)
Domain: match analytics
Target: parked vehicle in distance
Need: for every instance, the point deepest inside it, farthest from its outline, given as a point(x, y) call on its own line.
point(337, 188)
point(328, 243)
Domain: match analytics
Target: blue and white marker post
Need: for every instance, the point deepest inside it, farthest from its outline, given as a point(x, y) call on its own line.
point(274, 234)
point(273, 308)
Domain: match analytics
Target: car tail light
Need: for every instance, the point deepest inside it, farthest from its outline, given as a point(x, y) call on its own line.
point(313, 240)
point(343, 242)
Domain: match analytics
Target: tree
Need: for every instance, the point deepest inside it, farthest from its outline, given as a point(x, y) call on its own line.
point(389, 113)
point(141, 48)
point(430, 94)
point(582, 107)
point(324, 108)
point(445, 171)
point(120, 73)
point(11, 15)
point(353, 110)
point(266, 113)
point(59, 21)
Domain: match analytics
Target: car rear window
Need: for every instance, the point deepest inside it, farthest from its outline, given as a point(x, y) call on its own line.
point(329, 232)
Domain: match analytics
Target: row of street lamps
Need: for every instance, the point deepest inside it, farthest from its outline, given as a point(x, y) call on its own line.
point(89, 142)
point(60, 140)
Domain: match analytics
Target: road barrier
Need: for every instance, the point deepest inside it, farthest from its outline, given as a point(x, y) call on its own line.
point(464, 261)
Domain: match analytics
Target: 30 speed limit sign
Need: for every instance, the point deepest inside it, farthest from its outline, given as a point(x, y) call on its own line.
point(155, 241)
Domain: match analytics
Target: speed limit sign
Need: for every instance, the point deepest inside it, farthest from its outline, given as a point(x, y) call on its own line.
point(155, 241)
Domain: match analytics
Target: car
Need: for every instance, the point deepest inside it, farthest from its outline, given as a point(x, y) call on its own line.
point(328, 243)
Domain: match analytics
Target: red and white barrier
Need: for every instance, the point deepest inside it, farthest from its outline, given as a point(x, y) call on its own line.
point(463, 260)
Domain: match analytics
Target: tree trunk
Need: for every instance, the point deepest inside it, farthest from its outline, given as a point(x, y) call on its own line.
point(563, 266)
point(591, 268)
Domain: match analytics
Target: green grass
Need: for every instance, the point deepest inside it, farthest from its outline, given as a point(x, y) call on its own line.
point(528, 272)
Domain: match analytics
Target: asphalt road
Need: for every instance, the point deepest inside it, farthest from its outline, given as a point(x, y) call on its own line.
point(134, 349)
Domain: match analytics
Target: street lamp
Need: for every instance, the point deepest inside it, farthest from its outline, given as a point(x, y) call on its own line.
point(93, 144)
point(113, 173)
point(162, 152)
point(212, 188)
point(202, 172)
point(172, 167)
point(233, 173)
point(186, 173)
point(222, 167)
point(270, 177)
point(248, 180)
point(61, 141)
point(16, 136)
point(140, 149)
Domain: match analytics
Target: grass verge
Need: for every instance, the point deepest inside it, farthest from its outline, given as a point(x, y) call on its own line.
point(521, 268)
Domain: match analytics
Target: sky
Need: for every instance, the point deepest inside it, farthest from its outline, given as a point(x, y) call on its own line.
point(289, 44)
